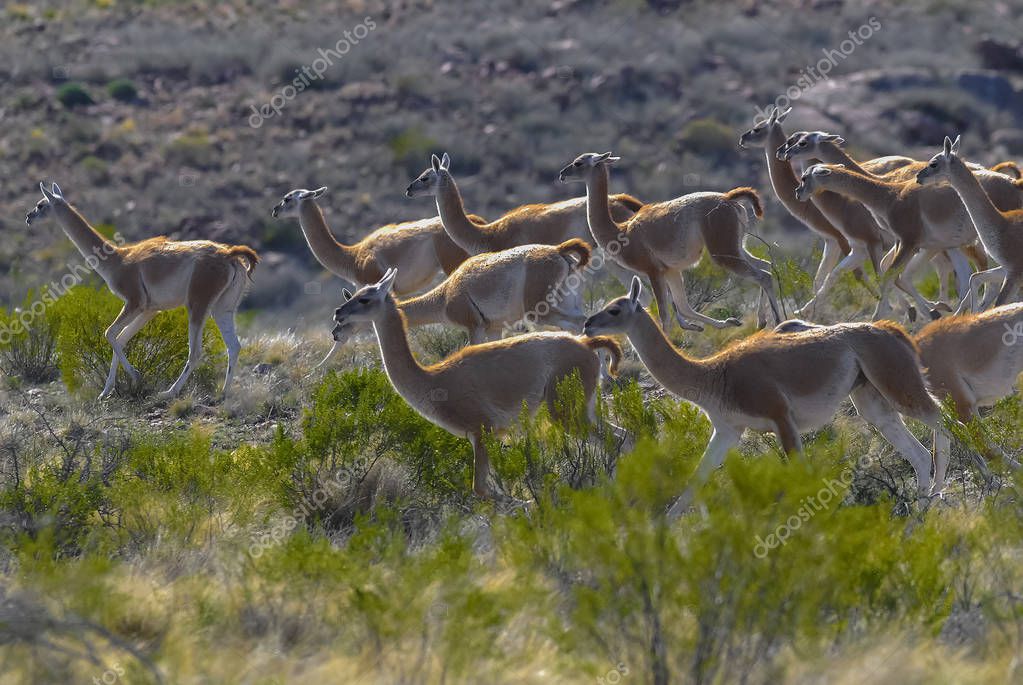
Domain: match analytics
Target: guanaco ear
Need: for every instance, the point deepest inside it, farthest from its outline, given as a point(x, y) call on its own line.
point(821, 170)
point(445, 162)
point(832, 138)
point(606, 158)
point(387, 282)
point(955, 145)
point(947, 149)
point(781, 115)
point(318, 192)
point(57, 193)
point(435, 162)
point(774, 115)
point(635, 289)
point(346, 294)
point(46, 193)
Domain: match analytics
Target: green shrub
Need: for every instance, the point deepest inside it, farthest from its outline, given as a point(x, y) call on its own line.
point(158, 351)
point(122, 89)
point(709, 138)
point(73, 95)
point(28, 342)
point(192, 149)
point(411, 149)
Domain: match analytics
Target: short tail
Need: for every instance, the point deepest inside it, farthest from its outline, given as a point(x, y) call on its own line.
point(247, 254)
point(629, 202)
point(750, 194)
point(1009, 169)
point(579, 248)
point(613, 348)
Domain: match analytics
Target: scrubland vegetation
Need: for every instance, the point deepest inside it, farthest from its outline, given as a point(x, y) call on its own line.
point(315, 528)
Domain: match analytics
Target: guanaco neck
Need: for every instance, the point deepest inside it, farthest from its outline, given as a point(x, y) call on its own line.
point(832, 154)
point(426, 308)
point(598, 208)
point(407, 376)
point(670, 366)
point(86, 238)
point(469, 236)
point(877, 195)
point(335, 257)
point(783, 178)
point(983, 213)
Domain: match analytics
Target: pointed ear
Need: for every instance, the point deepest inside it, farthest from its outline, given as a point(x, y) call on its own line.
point(774, 115)
point(46, 193)
point(57, 191)
point(387, 282)
point(832, 138)
point(955, 145)
point(947, 149)
point(782, 115)
point(445, 162)
point(346, 293)
point(318, 192)
point(435, 162)
point(635, 289)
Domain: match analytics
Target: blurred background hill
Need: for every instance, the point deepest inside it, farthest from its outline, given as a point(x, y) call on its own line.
point(146, 112)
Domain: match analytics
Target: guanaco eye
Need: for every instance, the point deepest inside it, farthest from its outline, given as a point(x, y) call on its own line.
point(363, 300)
point(934, 165)
point(577, 163)
point(802, 143)
point(614, 312)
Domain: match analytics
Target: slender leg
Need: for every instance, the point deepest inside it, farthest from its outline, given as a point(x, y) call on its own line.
point(723, 439)
point(855, 259)
point(963, 271)
point(664, 304)
point(942, 263)
point(124, 318)
point(195, 326)
point(225, 323)
point(905, 284)
point(684, 311)
point(830, 259)
point(759, 271)
point(978, 279)
point(875, 409)
point(1007, 292)
point(788, 434)
point(481, 468)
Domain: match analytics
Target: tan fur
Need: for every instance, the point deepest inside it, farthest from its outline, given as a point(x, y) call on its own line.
point(492, 290)
point(158, 274)
point(787, 382)
point(1009, 168)
point(665, 238)
point(420, 250)
point(480, 388)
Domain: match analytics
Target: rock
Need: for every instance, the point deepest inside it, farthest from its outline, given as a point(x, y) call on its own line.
point(997, 54)
point(1010, 138)
point(365, 92)
point(988, 86)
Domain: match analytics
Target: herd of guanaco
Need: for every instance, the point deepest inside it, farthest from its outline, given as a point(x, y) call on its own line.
point(502, 280)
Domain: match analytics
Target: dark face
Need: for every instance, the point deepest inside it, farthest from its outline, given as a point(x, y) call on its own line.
point(425, 184)
point(756, 136)
point(576, 171)
point(39, 212)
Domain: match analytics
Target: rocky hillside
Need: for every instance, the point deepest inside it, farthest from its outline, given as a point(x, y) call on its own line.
point(193, 118)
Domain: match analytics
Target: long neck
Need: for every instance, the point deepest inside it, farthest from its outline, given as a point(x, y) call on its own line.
point(783, 178)
point(832, 154)
point(467, 235)
point(86, 238)
point(426, 308)
point(671, 368)
point(598, 208)
point(338, 258)
point(402, 368)
point(983, 213)
point(875, 194)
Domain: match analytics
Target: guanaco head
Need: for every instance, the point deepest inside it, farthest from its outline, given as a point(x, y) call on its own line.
point(758, 135)
point(428, 181)
point(289, 204)
point(807, 144)
point(366, 304)
point(617, 315)
point(342, 332)
point(941, 164)
point(814, 179)
point(580, 167)
point(51, 198)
